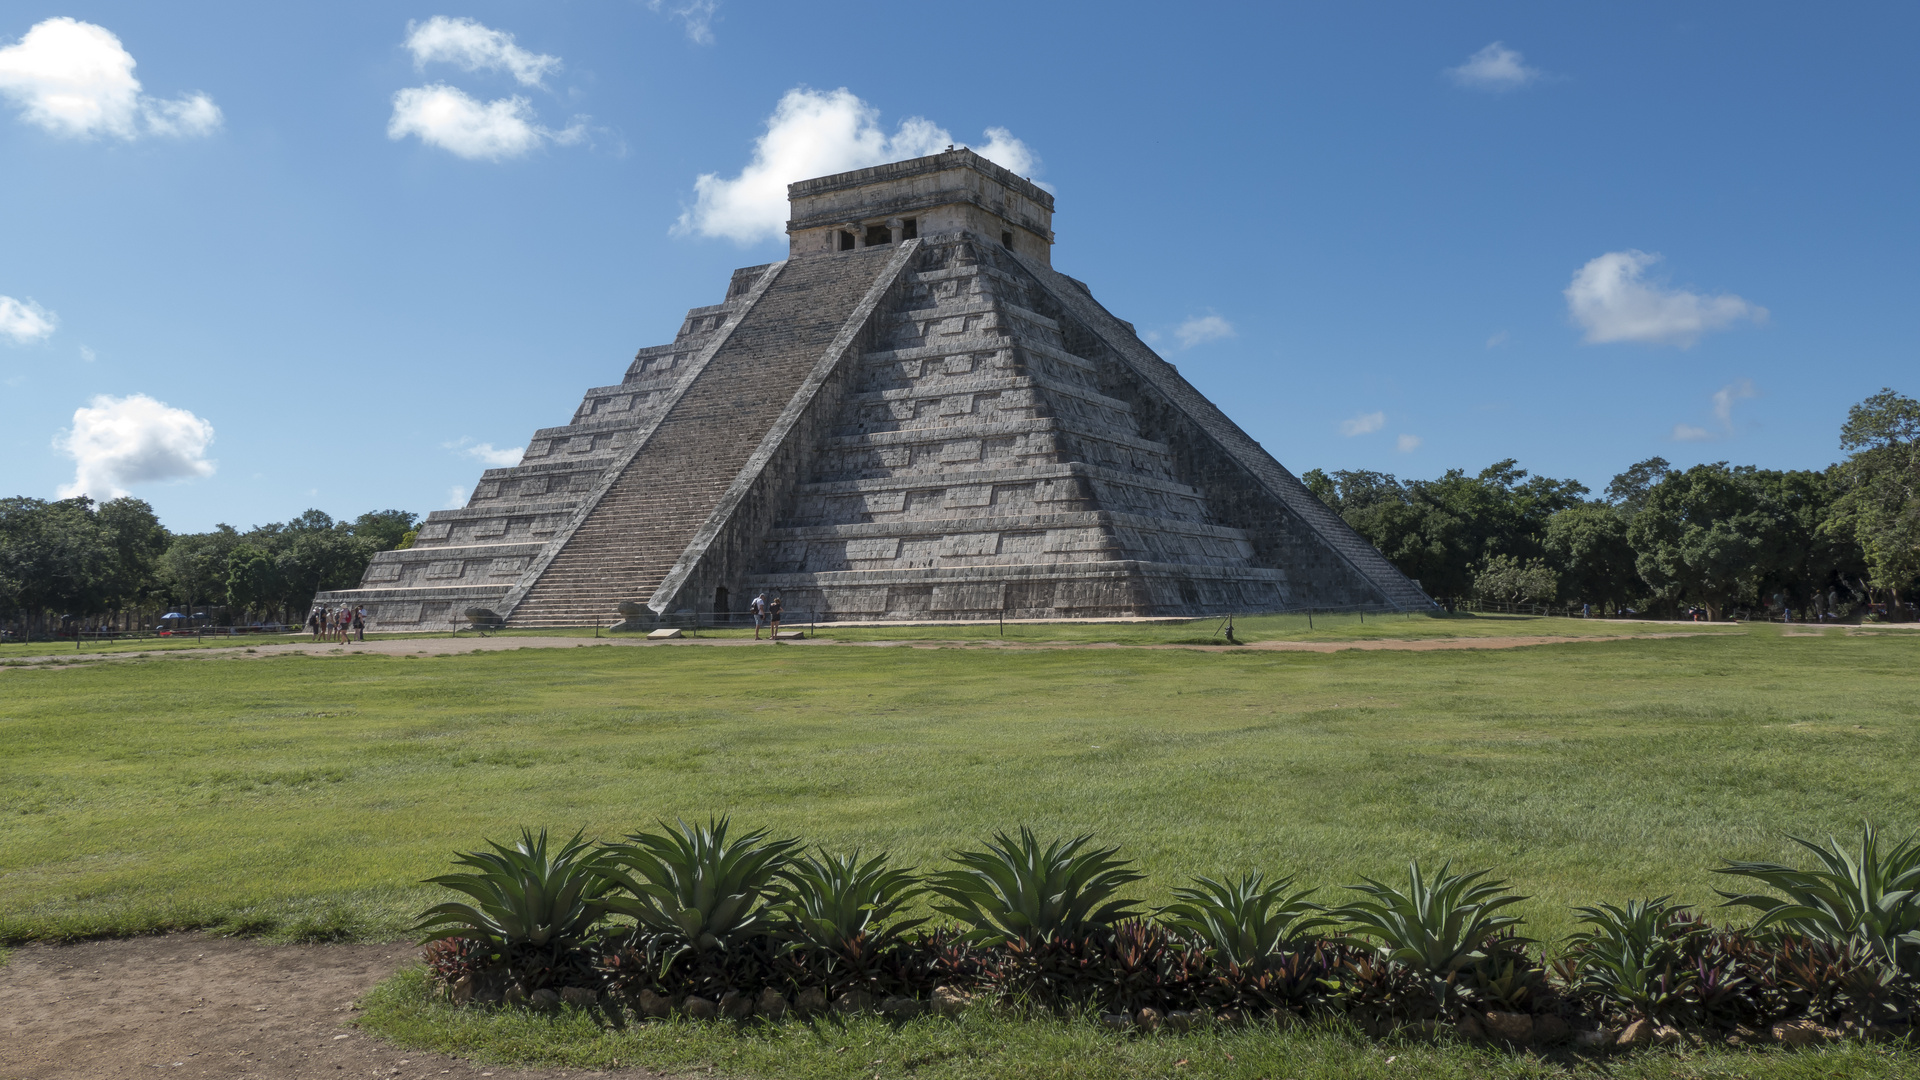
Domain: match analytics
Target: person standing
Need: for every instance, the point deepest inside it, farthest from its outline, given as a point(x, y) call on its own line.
point(360, 624)
point(759, 607)
point(773, 615)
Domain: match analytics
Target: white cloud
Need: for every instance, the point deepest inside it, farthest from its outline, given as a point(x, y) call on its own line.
point(497, 458)
point(474, 47)
point(88, 354)
point(456, 497)
point(1364, 424)
point(1202, 329)
point(118, 442)
point(1609, 299)
point(446, 117)
point(74, 78)
point(1008, 152)
point(816, 133)
point(1497, 340)
point(696, 14)
point(1407, 444)
point(1724, 398)
point(24, 322)
point(1495, 67)
point(195, 114)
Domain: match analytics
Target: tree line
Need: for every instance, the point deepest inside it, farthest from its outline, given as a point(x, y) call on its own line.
point(74, 562)
point(1720, 537)
point(1716, 536)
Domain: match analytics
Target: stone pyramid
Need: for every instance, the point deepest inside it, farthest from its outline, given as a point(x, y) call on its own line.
point(914, 416)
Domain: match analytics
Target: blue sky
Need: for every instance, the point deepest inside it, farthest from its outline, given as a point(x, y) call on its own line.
point(321, 255)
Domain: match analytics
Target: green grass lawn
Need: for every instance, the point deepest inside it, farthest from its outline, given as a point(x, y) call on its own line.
point(306, 796)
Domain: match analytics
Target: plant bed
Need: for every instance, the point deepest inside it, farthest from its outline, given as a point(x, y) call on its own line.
point(698, 924)
point(410, 1011)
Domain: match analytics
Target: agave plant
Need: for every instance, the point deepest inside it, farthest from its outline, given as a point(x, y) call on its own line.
point(1869, 897)
point(1434, 928)
point(1019, 890)
point(830, 901)
point(696, 885)
point(1634, 957)
point(524, 895)
point(1245, 921)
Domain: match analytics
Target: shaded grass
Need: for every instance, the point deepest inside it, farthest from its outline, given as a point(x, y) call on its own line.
point(305, 797)
point(987, 1043)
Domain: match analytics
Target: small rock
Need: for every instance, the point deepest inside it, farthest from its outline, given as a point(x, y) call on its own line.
point(811, 1001)
point(650, 1004)
point(699, 1008)
point(900, 1008)
point(1668, 1036)
point(544, 1000)
point(772, 1004)
point(579, 997)
point(461, 991)
point(514, 995)
point(735, 1005)
point(1230, 1018)
point(853, 1001)
point(1593, 1037)
point(1549, 1030)
point(1803, 1033)
point(1179, 1020)
point(1744, 1035)
point(1638, 1033)
point(1513, 1027)
point(1117, 1021)
point(1148, 1019)
point(949, 1002)
point(1470, 1028)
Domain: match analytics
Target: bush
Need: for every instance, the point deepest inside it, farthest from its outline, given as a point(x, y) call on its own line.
point(1043, 926)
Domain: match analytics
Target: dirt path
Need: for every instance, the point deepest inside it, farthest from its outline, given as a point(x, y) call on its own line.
point(189, 1005)
point(447, 646)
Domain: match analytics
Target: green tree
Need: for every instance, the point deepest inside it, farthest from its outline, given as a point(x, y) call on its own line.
point(194, 567)
point(384, 529)
point(1588, 545)
point(253, 582)
point(1508, 580)
point(136, 541)
point(1628, 490)
point(1703, 535)
point(53, 557)
point(1877, 501)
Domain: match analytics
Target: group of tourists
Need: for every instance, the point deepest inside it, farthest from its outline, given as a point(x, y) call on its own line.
point(766, 610)
point(336, 624)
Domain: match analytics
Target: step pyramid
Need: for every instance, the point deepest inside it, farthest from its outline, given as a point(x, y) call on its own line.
point(912, 416)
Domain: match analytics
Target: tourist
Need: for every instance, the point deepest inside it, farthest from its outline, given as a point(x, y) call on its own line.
point(773, 616)
point(360, 624)
point(759, 607)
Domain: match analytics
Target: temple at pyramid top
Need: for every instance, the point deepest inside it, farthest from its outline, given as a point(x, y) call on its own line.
point(955, 192)
point(912, 416)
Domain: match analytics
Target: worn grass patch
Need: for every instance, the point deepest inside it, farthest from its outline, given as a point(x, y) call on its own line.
point(985, 1042)
point(304, 797)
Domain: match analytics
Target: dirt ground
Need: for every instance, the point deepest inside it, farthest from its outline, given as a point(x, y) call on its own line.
point(425, 646)
point(189, 1005)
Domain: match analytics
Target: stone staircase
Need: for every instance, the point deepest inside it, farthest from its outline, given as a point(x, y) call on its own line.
point(650, 513)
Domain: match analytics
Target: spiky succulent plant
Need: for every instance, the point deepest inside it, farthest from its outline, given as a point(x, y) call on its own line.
point(1017, 889)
